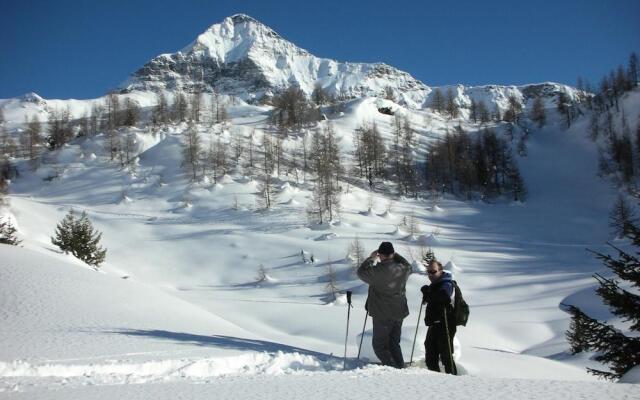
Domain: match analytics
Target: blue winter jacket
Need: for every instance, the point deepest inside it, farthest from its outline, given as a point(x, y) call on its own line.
point(439, 298)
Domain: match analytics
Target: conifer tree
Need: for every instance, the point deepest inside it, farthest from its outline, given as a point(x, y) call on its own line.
point(483, 112)
point(78, 237)
point(320, 96)
point(518, 188)
point(131, 112)
point(537, 112)
point(453, 110)
point(428, 256)
point(614, 348)
point(437, 101)
point(262, 274)
point(473, 111)
point(620, 215)
point(632, 70)
point(513, 111)
point(497, 113)
point(8, 233)
point(564, 107)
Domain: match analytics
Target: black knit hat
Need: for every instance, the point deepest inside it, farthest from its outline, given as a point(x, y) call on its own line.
point(386, 248)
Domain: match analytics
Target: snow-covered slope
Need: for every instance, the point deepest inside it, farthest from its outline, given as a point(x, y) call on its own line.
point(191, 306)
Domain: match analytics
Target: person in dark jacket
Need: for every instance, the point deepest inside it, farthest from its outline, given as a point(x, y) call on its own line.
point(439, 297)
point(387, 301)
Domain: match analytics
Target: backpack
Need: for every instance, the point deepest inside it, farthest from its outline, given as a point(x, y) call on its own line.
point(460, 307)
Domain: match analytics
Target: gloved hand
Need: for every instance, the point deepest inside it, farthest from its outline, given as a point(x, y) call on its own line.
point(426, 290)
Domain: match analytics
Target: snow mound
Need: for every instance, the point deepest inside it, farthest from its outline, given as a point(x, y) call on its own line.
point(451, 266)
point(340, 223)
point(436, 209)
point(418, 267)
point(399, 233)
point(327, 236)
point(368, 213)
point(386, 215)
point(121, 372)
point(291, 202)
point(82, 313)
point(267, 281)
point(428, 240)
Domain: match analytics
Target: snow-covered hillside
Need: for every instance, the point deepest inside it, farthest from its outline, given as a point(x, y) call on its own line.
point(179, 301)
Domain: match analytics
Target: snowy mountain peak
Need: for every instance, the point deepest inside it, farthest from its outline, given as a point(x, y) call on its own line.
point(246, 58)
point(235, 38)
point(32, 97)
point(240, 56)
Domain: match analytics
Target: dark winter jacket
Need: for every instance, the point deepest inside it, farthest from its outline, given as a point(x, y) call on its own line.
point(387, 295)
point(439, 297)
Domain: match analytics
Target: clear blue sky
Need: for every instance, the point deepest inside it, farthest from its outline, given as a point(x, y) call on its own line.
point(80, 49)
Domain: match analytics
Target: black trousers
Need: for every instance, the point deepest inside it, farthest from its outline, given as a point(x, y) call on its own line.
point(386, 341)
point(437, 348)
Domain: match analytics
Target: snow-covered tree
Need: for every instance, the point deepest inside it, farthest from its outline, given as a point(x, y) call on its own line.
point(327, 168)
point(266, 192)
point(77, 236)
point(621, 214)
point(453, 110)
point(564, 107)
point(388, 93)
point(613, 347)
point(261, 274)
point(191, 151)
point(195, 99)
point(8, 233)
point(356, 252)
point(320, 96)
point(483, 112)
point(513, 111)
point(131, 112)
point(428, 256)
point(332, 283)
point(632, 70)
point(537, 114)
point(437, 101)
point(218, 109)
point(180, 107)
point(31, 140)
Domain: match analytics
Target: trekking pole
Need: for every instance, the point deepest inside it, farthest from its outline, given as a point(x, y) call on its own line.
point(415, 335)
point(446, 328)
point(366, 315)
point(349, 306)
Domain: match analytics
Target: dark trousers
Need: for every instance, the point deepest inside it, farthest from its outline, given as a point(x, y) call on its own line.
point(437, 348)
point(386, 341)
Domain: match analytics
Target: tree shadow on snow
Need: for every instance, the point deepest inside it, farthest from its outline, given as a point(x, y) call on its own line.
point(220, 341)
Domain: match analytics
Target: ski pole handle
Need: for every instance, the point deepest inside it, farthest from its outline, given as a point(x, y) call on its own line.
point(349, 297)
